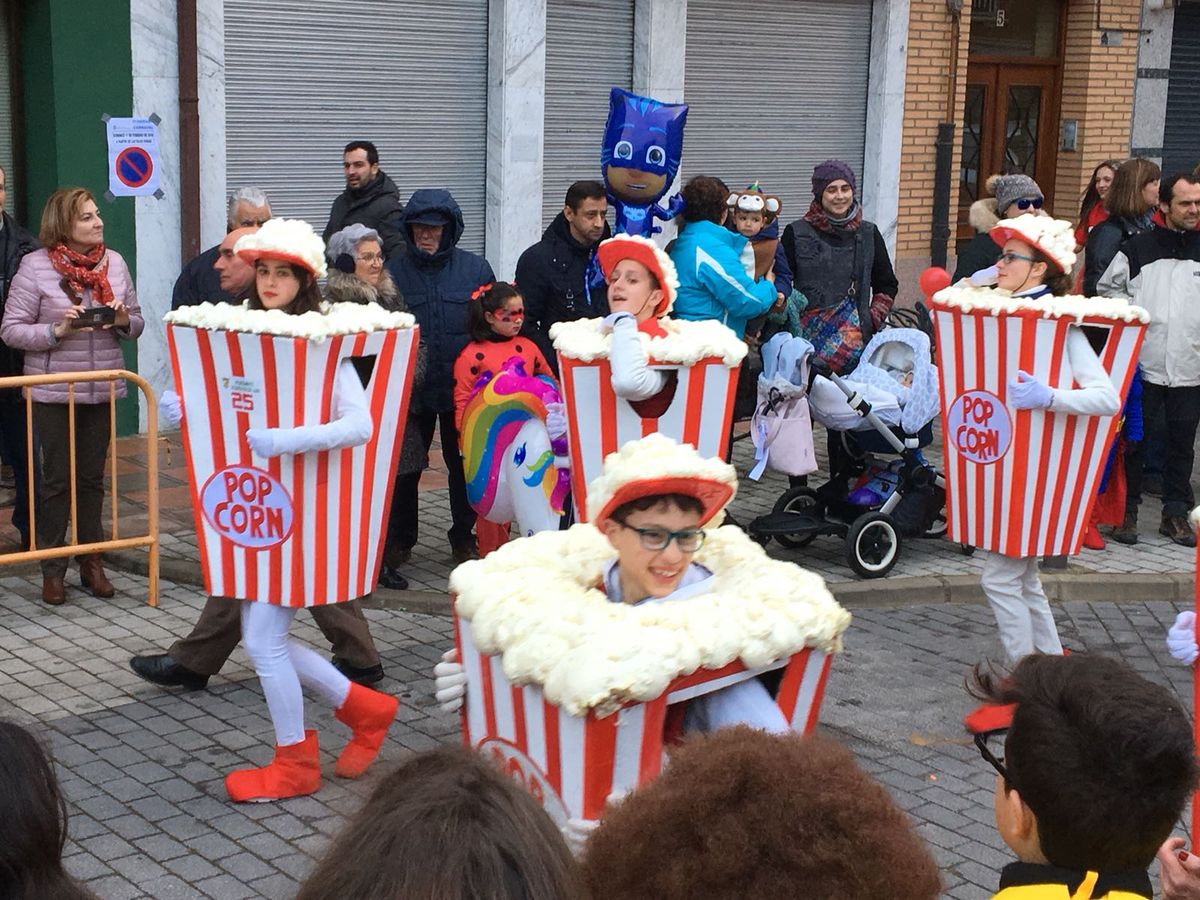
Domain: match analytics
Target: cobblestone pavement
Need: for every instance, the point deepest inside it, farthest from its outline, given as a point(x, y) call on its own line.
point(430, 565)
point(142, 768)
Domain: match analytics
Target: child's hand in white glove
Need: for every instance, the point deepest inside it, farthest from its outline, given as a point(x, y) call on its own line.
point(170, 405)
point(1181, 639)
point(450, 682)
point(261, 441)
point(556, 420)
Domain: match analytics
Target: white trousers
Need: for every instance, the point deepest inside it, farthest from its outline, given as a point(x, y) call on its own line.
point(1022, 611)
point(283, 665)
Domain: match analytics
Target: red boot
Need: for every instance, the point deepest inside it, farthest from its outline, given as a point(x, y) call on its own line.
point(1092, 539)
point(369, 713)
point(295, 772)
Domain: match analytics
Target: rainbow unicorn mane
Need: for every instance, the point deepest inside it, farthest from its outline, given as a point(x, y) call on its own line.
point(497, 410)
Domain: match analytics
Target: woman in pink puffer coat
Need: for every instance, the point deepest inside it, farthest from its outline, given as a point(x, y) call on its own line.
point(73, 274)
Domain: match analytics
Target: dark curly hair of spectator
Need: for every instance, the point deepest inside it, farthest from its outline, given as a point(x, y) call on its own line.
point(1102, 757)
point(742, 813)
point(704, 200)
point(447, 825)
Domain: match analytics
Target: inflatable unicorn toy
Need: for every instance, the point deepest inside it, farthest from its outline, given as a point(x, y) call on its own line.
point(515, 470)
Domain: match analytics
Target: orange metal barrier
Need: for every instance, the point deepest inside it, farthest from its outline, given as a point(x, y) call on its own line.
point(116, 542)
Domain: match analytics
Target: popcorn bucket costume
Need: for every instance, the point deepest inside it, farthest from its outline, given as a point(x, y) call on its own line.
point(622, 380)
point(573, 690)
point(1028, 414)
point(290, 463)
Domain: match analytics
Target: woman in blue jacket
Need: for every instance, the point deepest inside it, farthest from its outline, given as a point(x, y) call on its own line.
point(713, 279)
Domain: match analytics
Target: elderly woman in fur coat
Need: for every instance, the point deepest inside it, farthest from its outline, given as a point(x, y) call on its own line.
point(358, 276)
point(1012, 196)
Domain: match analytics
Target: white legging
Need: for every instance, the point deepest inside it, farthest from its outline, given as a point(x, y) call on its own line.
point(282, 665)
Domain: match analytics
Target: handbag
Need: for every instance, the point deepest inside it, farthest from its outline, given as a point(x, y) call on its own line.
point(836, 332)
point(782, 433)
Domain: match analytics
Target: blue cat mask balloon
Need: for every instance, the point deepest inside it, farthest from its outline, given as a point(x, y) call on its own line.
point(643, 143)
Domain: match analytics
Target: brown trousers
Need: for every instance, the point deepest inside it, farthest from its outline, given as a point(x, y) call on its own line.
point(219, 629)
point(92, 435)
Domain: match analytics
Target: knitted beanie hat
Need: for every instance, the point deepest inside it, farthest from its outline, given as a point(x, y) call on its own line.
point(830, 171)
point(1011, 188)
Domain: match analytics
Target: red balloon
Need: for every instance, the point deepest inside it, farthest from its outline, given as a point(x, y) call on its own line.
point(933, 280)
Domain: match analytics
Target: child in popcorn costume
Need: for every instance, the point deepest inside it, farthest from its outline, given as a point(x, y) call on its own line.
point(1037, 254)
point(655, 525)
point(288, 258)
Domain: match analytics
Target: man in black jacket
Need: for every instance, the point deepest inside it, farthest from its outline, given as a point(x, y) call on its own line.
point(558, 276)
point(370, 198)
point(437, 279)
point(200, 282)
point(15, 242)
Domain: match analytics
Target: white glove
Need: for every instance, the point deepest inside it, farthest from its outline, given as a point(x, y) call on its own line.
point(1181, 639)
point(450, 682)
point(612, 319)
point(170, 405)
point(1029, 393)
point(556, 420)
point(261, 441)
point(576, 833)
point(985, 277)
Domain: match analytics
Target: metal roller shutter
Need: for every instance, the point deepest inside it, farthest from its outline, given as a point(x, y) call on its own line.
point(1181, 136)
point(302, 79)
point(773, 89)
point(589, 50)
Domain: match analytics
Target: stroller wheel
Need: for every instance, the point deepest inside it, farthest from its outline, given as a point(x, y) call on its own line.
point(802, 500)
point(873, 545)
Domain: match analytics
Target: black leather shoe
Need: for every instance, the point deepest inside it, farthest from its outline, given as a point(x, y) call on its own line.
point(162, 670)
point(391, 579)
point(366, 677)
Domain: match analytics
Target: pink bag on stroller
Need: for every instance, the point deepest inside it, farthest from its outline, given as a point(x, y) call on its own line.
point(781, 427)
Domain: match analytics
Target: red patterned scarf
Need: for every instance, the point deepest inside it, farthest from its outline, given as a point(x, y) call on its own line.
point(819, 219)
point(83, 271)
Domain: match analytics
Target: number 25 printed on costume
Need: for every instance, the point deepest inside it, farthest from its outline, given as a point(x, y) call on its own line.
point(294, 530)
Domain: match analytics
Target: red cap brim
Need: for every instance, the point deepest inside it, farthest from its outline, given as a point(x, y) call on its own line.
point(253, 256)
point(1002, 234)
point(614, 250)
point(713, 494)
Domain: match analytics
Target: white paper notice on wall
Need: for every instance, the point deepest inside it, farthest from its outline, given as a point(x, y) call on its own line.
point(132, 157)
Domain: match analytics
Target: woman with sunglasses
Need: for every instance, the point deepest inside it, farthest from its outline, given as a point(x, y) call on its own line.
point(1036, 256)
point(494, 319)
point(1013, 195)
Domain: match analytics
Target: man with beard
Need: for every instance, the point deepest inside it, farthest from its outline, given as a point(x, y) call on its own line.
point(370, 198)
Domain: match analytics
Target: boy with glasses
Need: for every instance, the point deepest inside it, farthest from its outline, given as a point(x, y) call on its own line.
point(655, 522)
point(1095, 769)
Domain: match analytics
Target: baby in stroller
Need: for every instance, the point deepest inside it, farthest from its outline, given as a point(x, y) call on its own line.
point(885, 406)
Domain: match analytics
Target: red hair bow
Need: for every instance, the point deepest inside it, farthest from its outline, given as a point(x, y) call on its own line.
point(481, 290)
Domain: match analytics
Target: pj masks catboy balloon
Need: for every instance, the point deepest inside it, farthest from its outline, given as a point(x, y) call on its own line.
point(643, 142)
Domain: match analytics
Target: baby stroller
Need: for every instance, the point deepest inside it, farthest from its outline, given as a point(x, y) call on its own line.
point(882, 491)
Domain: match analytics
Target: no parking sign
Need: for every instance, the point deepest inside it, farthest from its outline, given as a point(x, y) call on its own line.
point(132, 157)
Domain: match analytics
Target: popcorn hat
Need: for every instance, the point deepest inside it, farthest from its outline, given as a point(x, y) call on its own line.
point(754, 200)
point(291, 240)
point(657, 465)
point(1053, 237)
point(648, 253)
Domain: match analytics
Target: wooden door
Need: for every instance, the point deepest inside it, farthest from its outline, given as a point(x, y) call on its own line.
point(1010, 125)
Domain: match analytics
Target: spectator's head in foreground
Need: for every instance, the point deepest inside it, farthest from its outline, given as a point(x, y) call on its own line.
point(742, 813)
point(1097, 765)
point(34, 814)
point(447, 825)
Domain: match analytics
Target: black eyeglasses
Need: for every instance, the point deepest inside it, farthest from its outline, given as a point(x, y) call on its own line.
point(1025, 203)
point(996, 762)
point(690, 539)
point(1011, 257)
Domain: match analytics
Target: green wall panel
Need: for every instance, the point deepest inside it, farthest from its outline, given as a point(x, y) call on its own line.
point(76, 65)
